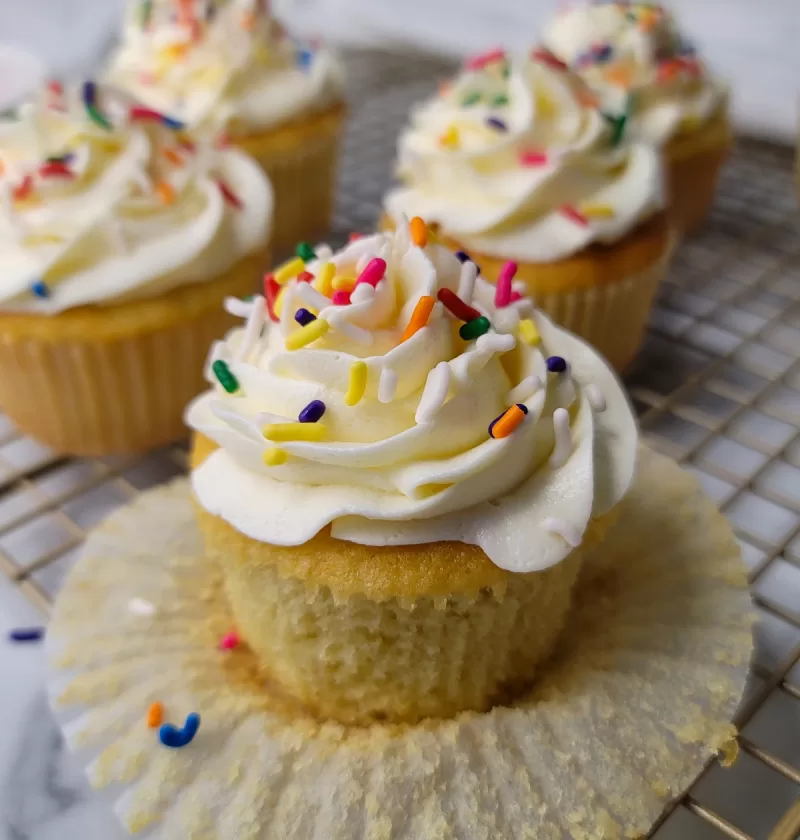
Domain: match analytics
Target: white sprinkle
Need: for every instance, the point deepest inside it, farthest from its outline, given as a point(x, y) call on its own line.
point(387, 385)
point(563, 436)
point(525, 390)
point(496, 343)
point(324, 252)
point(311, 297)
point(252, 330)
point(362, 262)
point(435, 393)
point(362, 293)
point(466, 283)
point(564, 530)
point(138, 606)
point(596, 399)
point(238, 308)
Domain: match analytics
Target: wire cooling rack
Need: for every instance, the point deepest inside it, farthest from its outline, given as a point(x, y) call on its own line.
point(717, 386)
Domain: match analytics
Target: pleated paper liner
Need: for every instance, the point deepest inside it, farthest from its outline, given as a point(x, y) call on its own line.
point(638, 697)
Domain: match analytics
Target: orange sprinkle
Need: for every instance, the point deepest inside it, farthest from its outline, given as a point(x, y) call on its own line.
point(155, 715)
point(173, 157)
point(419, 232)
point(619, 75)
point(508, 422)
point(165, 192)
point(587, 98)
point(419, 317)
point(248, 21)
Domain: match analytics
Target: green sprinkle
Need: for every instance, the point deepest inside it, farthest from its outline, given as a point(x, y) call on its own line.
point(146, 10)
point(500, 99)
point(305, 252)
point(223, 373)
point(98, 118)
point(506, 71)
point(471, 99)
point(617, 127)
point(475, 329)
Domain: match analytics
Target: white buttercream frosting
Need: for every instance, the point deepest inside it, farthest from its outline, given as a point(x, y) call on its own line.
point(635, 57)
point(93, 213)
point(502, 157)
point(221, 63)
point(405, 454)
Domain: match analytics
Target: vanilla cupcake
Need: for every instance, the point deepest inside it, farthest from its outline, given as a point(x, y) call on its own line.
point(400, 483)
point(119, 241)
point(647, 73)
point(513, 164)
point(226, 64)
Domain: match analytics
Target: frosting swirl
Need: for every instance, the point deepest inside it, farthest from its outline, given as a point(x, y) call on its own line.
point(221, 63)
point(514, 160)
point(635, 57)
point(97, 206)
point(397, 399)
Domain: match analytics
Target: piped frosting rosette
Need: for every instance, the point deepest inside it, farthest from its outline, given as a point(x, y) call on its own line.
point(104, 201)
point(213, 63)
point(515, 160)
point(390, 392)
point(636, 58)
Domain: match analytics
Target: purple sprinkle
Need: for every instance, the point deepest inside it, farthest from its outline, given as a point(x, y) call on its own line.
point(602, 53)
point(27, 634)
point(463, 256)
point(492, 425)
point(522, 408)
point(303, 317)
point(555, 364)
point(493, 122)
point(312, 412)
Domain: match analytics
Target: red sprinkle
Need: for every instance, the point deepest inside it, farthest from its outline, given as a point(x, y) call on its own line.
point(355, 237)
point(515, 296)
point(373, 273)
point(228, 195)
point(23, 190)
point(341, 298)
point(55, 169)
point(453, 303)
point(502, 292)
point(229, 641)
point(533, 158)
point(187, 144)
point(546, 57)
point(138, 112)
point(480, 61)
point(271, 290)
point(56, 88)
point(304, 277)
point(574, 214)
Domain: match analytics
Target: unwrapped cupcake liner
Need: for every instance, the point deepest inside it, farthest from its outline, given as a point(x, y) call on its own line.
point(92, 395)
point(638, 697)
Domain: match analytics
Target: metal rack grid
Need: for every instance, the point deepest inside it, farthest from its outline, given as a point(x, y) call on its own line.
point(717, 386)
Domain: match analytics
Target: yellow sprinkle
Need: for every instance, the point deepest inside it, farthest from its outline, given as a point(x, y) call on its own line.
point(32, 239)
point(545, 106)
point(275, 457)
point(305, 335)
point(288, 271)
point(597, 211)
point(528, 332)
point(284, 432)
point(324, 280)
point(278, 305)
point(450, 138)
point(343, 283)
point(357, 384)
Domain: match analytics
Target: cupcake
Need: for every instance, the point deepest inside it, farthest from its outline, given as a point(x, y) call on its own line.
point(119, 242)
point(399, 474)
point(226, 64)
point(648, 74)
point(516, 168)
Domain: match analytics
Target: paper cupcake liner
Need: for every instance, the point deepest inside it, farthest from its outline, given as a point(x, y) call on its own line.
point(300, 160)
point(94, 393)
point(638, 697)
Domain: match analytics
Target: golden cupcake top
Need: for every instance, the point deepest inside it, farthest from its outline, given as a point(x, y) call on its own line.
point(392, 393)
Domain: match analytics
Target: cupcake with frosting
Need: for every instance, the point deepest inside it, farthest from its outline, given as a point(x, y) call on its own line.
point(646, 72)
point(228, 65)
point(399, 469)
point(514, 163)
point(119, 240)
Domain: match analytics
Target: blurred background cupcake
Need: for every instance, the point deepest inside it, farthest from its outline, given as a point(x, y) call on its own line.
point(120, 239)
point(647, 73)
point(228, 65)
point(515, 166)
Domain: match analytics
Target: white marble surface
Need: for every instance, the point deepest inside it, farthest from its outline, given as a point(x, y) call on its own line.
point(43, 794)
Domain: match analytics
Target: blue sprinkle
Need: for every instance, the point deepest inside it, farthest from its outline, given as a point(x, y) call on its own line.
point(172, 736)
point(304, 58)
point(603, 53)
point(27, 634)
point(171, 122)
point(555, 364)
point(495, 123)
point(303, 317)
point(313, 412)
point(40, 289)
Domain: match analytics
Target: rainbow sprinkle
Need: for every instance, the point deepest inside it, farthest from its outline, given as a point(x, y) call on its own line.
point(546, 57)
point(228, 194)
point(502, 292)
point(341, 298)
point(373, 273)
point(139, 113)
point(271, 290)
point(497, 124)
point(305, 335)
point(419, 232)
point(475, 329)
point(573, 214)
point(287, 432)
point(172, 736)
point(419, 317)
point(288, 271)
point(479, 62)
point(528, 332)
point(274, 457)
point(155, 715)
point(357, 383)
point(89, 94)
point(304, 317)
point(453, 304)
point(556, 364)
point(313, 412)
point(305, 252)
point(223, 373)
point(505, 424)
point(229, 641)
point(40, 289)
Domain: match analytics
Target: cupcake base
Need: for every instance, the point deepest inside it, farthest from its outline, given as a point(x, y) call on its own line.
point(98, 380)
point(645, 682)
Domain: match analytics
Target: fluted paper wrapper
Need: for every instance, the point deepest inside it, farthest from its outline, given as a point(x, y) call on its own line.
point(638, 697)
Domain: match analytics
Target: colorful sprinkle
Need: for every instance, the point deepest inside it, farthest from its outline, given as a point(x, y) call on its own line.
point(528, 332)
point(139, 113)
point(286, 432)
point(343, 283)
point(502, 292)
point(341, 298)
point(229, 641)
point(419, 317)
point(546, 57)
point(172, 736)
point(453, 304)
point(305, 335)
point(497, 124)
point(55, 169)
point(355, 236)
point(597, 211)
point(90, 103)
point(175, 158)
point(288, 271)
point(26, 634)
point(505, 424)
point(271, 291)
point(304, 59)
point(279, 300)
point(463, 256)
point(475, 328)
point(450, 138)
point(533, 158)
point(304, 277)
point(303, 317)
point(357, 383)
point(155, 715)
point(313, 412)
point(556, 364)
point(374, 272)
point(617, 127)
point(223, 373)
point(471, 99)
point(274, 457)
point(40, 289)
point(23, 189)
point(305, 252)
point(499, 101)
point(145, 12)
point(419, 232)
point(481, 61)
point(166, 192)
point(229, 195)
point(573, 214)
point(618, 75)
point(324, 279)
